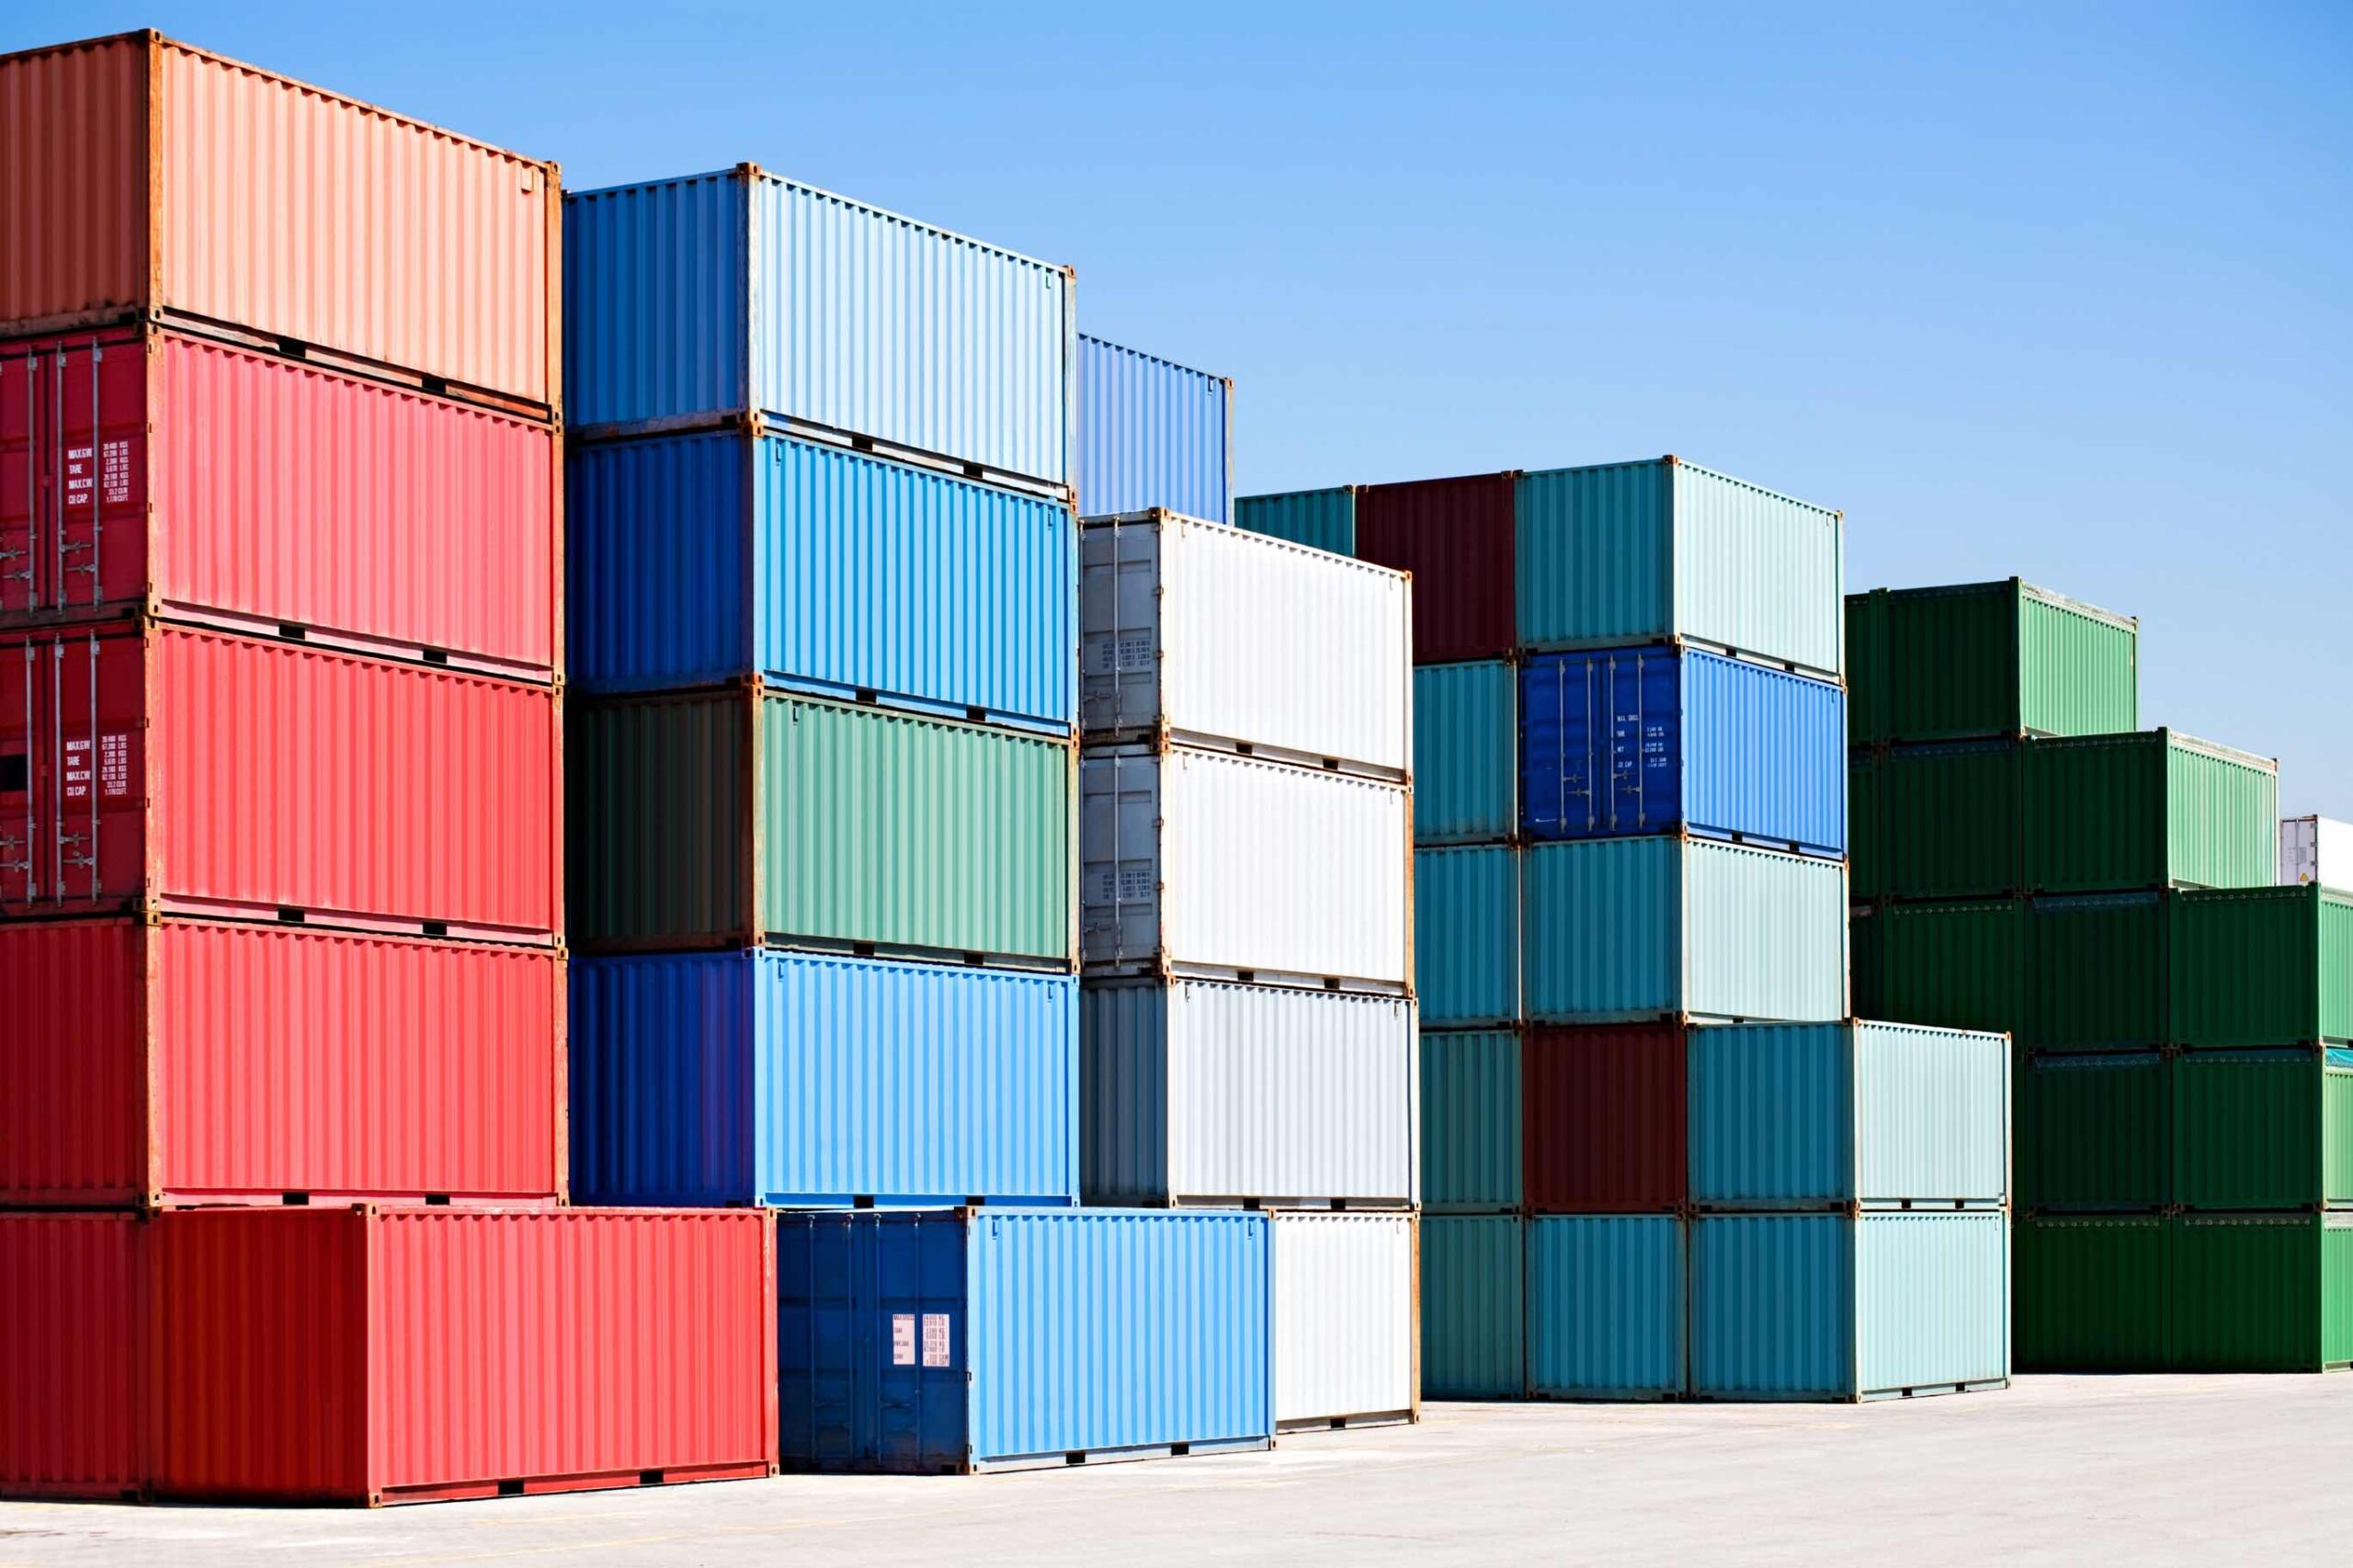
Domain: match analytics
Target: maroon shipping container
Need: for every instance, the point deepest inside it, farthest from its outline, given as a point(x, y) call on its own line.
point(71, 1411)
point(1456, 536)
point(147, 470)
point(195, 1061)
point(152, 767)
point(1603, 1127)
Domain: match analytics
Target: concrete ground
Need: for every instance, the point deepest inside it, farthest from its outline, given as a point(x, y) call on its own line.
point(2148, 1470)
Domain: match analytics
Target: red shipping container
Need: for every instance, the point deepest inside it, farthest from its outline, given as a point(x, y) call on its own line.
point(1604, 1124)
point(157, 768)
point(199, 1062)
point(1456, 537)
point(70, 1412)
point(148, 469)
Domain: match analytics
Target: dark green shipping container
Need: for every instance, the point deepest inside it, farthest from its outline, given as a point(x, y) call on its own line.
point(2149, 809)
point(2091, 1293)
point(1957, 965)
point(1953, 820)
point(2091, 1132)
point(1866, 826)
point(2262, 966)
point(2262, 1292)
point(1321, 519)
point(2263, 1129)
point(1867, 961)
point(1978, 659)
point(2095, 972)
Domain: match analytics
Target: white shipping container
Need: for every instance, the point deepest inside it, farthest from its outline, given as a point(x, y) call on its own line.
point(1204, 864)
point(1216, 636)
point(1203, 1092)
point(2316, 849)
point(1346, 1335)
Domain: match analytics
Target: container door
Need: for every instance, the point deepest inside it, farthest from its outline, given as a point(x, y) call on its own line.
point(70, 753)
point(72, 419)
point(26, 529)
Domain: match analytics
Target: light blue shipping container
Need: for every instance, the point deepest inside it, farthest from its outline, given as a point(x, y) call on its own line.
point(1650, 739)
point(1473, 1307)
point(1471, 1122)
point(1321, 519)
point(1818, 1116)
point(1621, 930)
point(802, 1080)
point(962, 1340)
point(1466, 935)
point(706, 297)
point(1621, 554)
point(1847, 1307)
point(1152, 433)
point(1605, 1306)
point(695, 559)
point(1466, 752)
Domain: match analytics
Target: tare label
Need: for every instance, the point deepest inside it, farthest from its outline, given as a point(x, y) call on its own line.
point(110, 475)
point(113, 769)
point(902, 1339)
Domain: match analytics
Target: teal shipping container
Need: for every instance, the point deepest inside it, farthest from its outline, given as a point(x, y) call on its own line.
point(1621, 554)
point(1623, 931)
point(1466, 752)
point(1473, 1307)
point(1605, 1309)
point(1321, 519)
point(1471, 1122)
point(1466, 935)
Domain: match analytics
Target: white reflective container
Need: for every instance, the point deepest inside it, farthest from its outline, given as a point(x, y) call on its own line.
point(1345, 1334)
point(1203, 864)
point(1203, 1092)
point(1218, 637)
point(2316, 849)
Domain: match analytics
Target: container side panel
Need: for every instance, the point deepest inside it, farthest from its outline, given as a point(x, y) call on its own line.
point(1471, 1122)
point(2222, 820)
point(1774, 1113)
point(71, 1371)
point(656, 554)
point(2097, 968)
point(1953, 661)
point(1466, 752)
point(654, 301)
point(1455, 537)
point(2250, 967)
point(1473, 1307)
point(1605, 1128)
point(1869, 675)
point(1758, 571)
point(1932, 1299)
point(1466, 935)
point(1602, 931)
point(1868, 850)
point(1605, 1307)
point(1952, 820)
point(2095, 816)
point(1764, 755)
point(1151, 434)
point(1773, 1306)
point(1342, 1316)
point(1765, 933)
point(2249, 1128)
point(1321, 519)
point(2094, 1131)
point(1127, 1095)
point(1932, 1114)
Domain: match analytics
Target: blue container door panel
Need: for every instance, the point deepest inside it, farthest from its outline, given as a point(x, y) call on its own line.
point(1602, 743)
point(661, 1080)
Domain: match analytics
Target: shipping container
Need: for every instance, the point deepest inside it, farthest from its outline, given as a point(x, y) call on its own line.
point(1960, 965)
point(1620, 930)
point(1605, 1128)
point(1954, 820)
point(1827, 1116)
point(715, 555)
point(1207, 865)
point(363, 1355)
point(210, 1062)
point(2094, 1131)
point(2261, 1292)
point(724, 818)
point(1658, 551)
point(1662, 739)
point(948, 1342)
point(1867, 846)
point(1345, 1333)
point(1198, 1092)
point(1466, 935)
point(1471, 1122)
point(216, 195)
point(806, 1080)
point(2255, 1130)
point(2095, 1293)
point(1230, 640)
point(145, 766)
point(1321, 519)
point(1605, 1307)
point(1877, 1305)
point(2149, 809)
point(1977, 659)
point(1473, 1307)
point(142, 469)
point(1867, 961)
point(1152, 433)
point(698, 300)
point(2316, 849)
point(1466, 752)
point(1455, 537)
point(2095, 972)
point(2268, 966)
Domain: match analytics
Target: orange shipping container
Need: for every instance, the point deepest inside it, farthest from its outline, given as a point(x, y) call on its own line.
point(142, 177)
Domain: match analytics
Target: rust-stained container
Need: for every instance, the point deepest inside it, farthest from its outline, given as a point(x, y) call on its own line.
point(205, 1062)
point(69, 1385)
point(1456, 537)
point(148, 469)
point(1604, 1128)
point(158, 767)
point(145, 177)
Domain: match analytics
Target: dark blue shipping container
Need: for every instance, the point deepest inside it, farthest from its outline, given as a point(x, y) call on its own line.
point(1628, 741)
point(945, 1342)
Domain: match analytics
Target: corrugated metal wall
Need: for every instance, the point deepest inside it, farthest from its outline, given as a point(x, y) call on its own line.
point(1473, 1307)
point(1605, 1307)
point(1466, 935)
point(656, 300)
point(1471, 1122)
point(1758, 571)
point(1321, 519)
point(1466, 752)
point(74, 1421)
point(1932, 1301)
point(1344, 1316)
point(1152, 433)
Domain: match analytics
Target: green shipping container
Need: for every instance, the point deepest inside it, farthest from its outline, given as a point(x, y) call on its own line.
point(1957, 965)
point(2262, 966)
point(725, 817)
point(1471, 1122)
point(1321, 519)
point(2092, 1132)
point(2262, 1292)
point(1466, 752)
point(1979, 659)
point(1953, 819)
point(1473, 1307)
point(2095, 972)
point(1867, 825)
point(1867, 962)
point(2262, 1129)
point(2091, 1293)
point(2149, 809)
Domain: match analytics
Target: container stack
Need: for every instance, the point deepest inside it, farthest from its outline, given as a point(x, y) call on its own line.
point(2183, 1086)
point(281, 1109)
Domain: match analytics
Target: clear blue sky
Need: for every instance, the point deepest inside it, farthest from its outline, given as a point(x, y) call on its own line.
point(2065, 290)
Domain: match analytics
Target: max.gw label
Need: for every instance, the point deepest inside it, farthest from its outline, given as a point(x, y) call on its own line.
point(114, 767)
point(114, 476)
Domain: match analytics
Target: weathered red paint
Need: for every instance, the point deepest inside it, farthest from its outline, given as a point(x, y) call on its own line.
point(1604, 1119)
point(1456, 536)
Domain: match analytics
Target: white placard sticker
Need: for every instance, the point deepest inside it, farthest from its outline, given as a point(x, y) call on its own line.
point(902, 1339)
point(935, 1339)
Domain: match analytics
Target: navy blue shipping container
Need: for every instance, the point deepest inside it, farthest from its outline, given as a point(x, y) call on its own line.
point(946, 1342)
point(802, 1080)
point(1151, 434)
point(1627, 741)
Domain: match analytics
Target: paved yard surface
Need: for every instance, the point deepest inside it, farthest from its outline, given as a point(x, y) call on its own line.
point(2056, 1470)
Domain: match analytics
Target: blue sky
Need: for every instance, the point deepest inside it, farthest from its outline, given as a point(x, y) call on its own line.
point(2061, 290)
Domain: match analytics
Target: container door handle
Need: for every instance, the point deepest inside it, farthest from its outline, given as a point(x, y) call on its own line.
point(32, 496)
point(19, 859)
point(96, 491)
